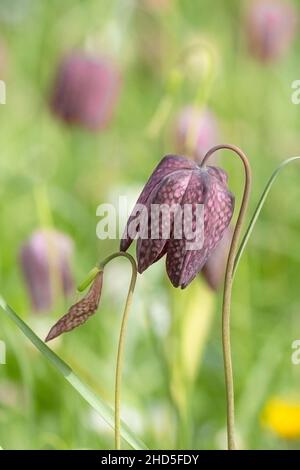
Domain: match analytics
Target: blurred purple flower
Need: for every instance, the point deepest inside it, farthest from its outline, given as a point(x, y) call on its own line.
point(85, 91)
point(45, 262)
point(178, 180)
point(196, 131)
point(270, 27)
point(215, 267)
point(79, 312)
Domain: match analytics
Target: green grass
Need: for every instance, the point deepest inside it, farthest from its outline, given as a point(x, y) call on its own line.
point(75, 171)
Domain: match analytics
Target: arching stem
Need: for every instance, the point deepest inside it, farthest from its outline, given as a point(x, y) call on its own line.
point(121, 343)
point(228, 290)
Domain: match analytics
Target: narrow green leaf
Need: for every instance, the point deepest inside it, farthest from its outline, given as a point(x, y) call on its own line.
point(105, 411)
point(259, 208)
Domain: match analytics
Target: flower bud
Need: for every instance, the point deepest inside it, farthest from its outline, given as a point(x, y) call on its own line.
point(45, 262)
point(85, 91)
point(196, 132)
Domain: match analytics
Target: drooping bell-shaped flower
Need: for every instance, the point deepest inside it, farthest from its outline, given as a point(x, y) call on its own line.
point(80, 311)
point(196, 131)
point(214, 269)
point(270, 28)
point(85, 90)
point(45, 262)
point(199, 209)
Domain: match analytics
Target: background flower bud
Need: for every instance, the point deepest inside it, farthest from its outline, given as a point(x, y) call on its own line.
point(196, 131)
point(214, 268)
point(270, 28)
point(45, 262)
point(85, 90)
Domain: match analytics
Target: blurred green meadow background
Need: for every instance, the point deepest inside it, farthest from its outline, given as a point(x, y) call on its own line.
point(56, 175)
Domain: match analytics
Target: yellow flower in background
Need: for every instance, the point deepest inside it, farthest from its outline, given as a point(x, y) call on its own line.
point(282, 416)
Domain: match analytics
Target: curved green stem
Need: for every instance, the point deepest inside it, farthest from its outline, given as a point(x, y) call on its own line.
point(258, 210)
point(228, 290)
point(121, 343)
point(88, 280)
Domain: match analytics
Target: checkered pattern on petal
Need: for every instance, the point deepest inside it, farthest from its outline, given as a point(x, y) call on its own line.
point(218, 173)
point(79, 312)
point(180, 181)
point(168, 164)
point(218, 211)
point(178, 254)
point(170, 192)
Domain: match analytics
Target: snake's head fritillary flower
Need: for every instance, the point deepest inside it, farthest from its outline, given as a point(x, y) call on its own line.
point(196, 131)
point(45, 261)
point(85, 91)
point(215, 267)
point(179, 182)
point(80, 311)
point(270, 27)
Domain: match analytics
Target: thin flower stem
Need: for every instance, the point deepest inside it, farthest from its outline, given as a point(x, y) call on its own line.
point(90, 277)
point(228, 290)
point(121, 343)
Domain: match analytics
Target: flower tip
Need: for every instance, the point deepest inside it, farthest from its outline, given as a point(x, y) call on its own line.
point(53, 333)
point(124, 244)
